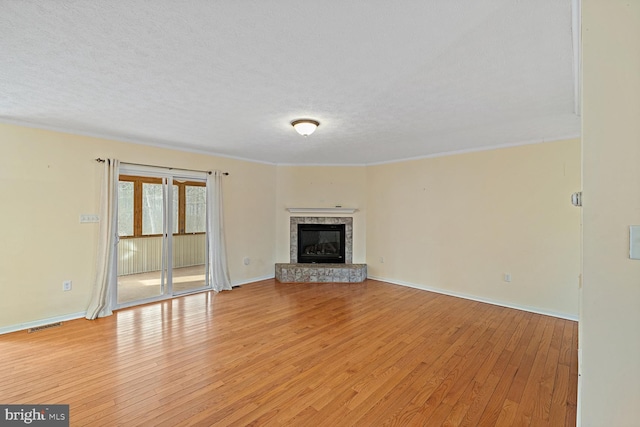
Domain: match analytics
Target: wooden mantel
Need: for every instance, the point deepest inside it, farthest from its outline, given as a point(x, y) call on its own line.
point(336, 210)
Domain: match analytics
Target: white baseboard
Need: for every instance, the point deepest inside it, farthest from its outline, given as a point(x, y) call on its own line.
point(42, 322)
point(479, 299)
point(254, 279)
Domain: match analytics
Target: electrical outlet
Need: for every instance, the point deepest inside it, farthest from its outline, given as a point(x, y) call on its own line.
point(246, 260)
point(507, 277)
point(66, 285)
point(381, 260)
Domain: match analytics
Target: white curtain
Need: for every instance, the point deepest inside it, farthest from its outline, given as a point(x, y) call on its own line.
point(217, 262)
point(100, 304)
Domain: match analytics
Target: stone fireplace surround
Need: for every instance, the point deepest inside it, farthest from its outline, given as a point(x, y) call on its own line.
point(293, 233)
point(293, 272)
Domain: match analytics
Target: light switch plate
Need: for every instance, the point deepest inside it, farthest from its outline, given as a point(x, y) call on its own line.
point(634, 241)
point(89, 218)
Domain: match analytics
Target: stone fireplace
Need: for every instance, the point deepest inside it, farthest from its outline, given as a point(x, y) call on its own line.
point(296, 221)
point(325, 255)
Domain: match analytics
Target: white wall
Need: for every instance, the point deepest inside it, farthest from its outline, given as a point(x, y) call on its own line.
point(458, 223)
point(47, 179)
point(610, 318)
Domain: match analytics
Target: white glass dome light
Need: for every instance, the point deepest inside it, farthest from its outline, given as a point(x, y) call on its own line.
point(305, 127)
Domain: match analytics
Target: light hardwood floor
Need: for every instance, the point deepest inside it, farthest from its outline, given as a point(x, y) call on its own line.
point(303, 355)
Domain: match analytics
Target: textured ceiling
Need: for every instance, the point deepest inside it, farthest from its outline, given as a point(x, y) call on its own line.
point(387, 80)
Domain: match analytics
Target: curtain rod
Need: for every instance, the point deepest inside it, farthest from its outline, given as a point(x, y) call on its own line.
point(164, 167)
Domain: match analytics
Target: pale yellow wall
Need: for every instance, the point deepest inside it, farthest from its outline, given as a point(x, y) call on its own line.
point(457, 223)
point(47, 179)
point(453, 223)
point(610, 318)
point(321, 187)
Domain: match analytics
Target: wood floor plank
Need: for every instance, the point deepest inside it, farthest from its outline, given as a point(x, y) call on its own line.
point(572, 393)
point(542, 402)
point(526, 363)
point(301, 354)
point(515, 351)
point(441, 368)
point(507, 414)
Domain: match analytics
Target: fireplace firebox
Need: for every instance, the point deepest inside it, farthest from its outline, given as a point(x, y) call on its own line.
point(321, 243)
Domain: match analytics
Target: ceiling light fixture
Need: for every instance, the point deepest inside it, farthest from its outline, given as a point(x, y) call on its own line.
point(305, 127)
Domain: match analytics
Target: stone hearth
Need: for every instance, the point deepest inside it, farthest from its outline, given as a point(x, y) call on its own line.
point(295, 272)
point(338, 273)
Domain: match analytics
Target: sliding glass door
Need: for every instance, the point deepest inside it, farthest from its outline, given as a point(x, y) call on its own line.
point(162, 237)
point(189, 246)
